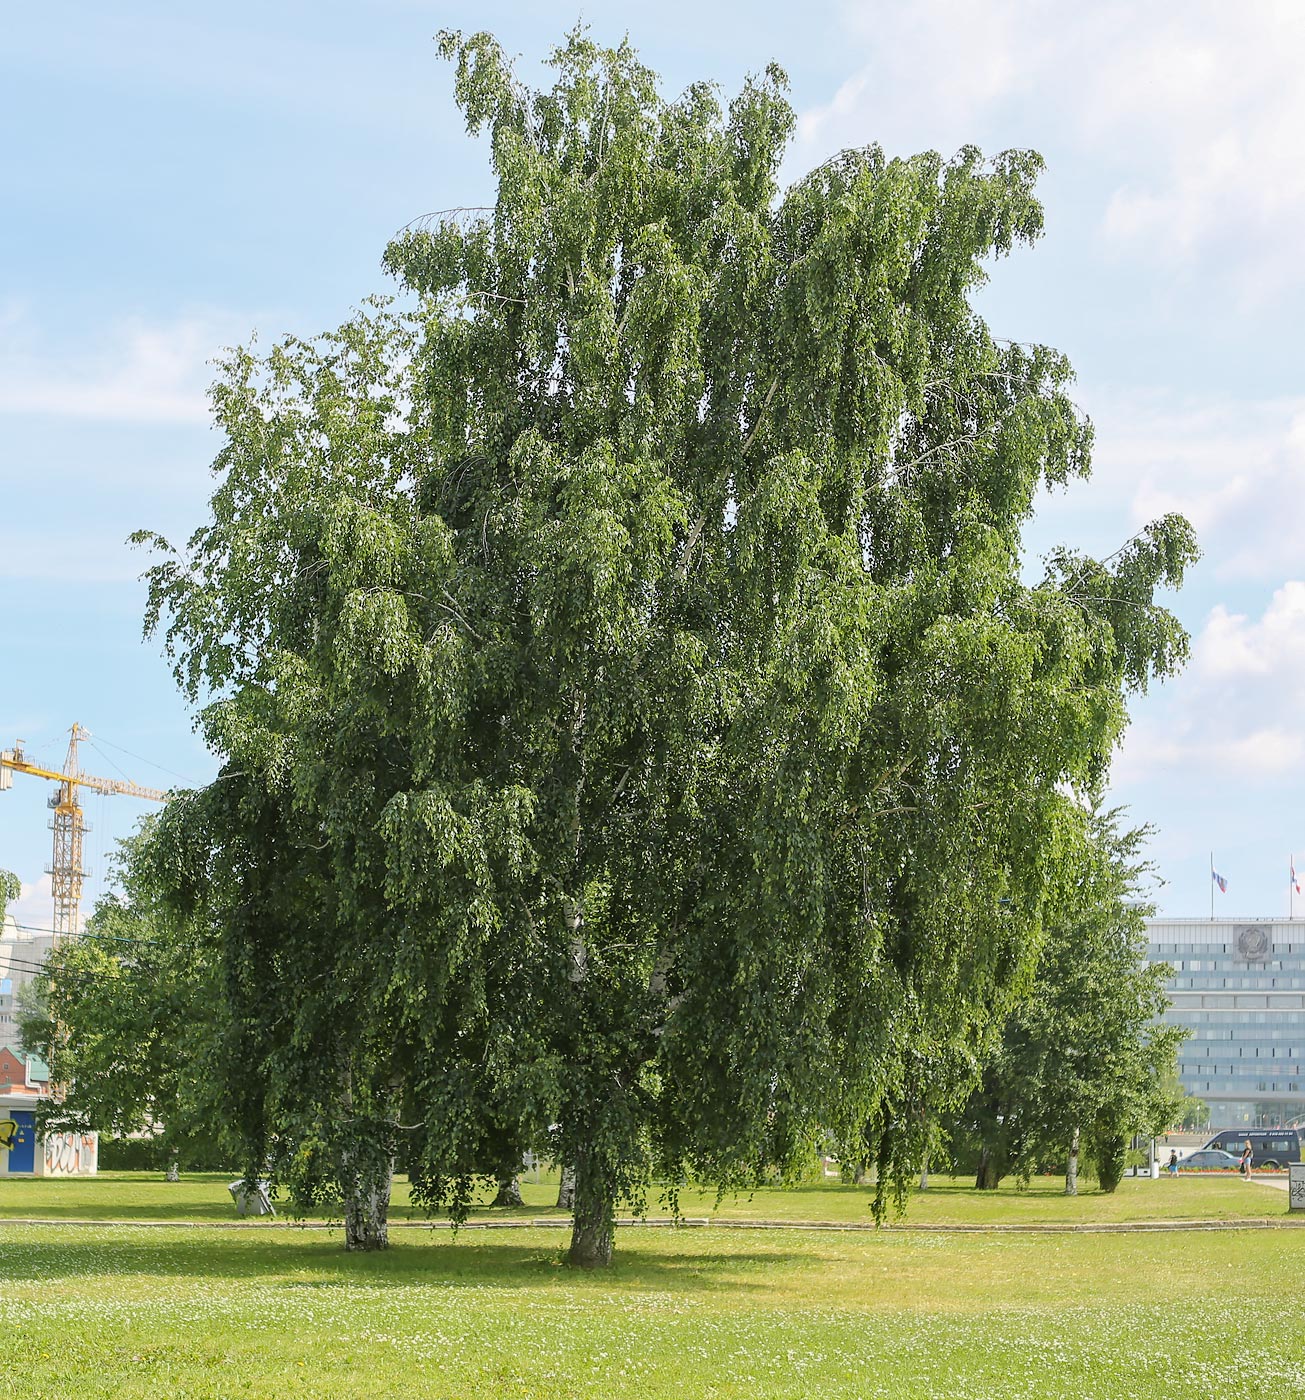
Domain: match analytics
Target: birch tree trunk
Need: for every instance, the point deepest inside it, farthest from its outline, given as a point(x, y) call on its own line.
point(593, 1231)
point(988, 1177)
point(1071, 1172)
point(509, 1192)
point(367, 1208)
point(566, 1189)
point(365, 1174)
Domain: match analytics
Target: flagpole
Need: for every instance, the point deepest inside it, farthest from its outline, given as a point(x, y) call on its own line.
point(1212, 887)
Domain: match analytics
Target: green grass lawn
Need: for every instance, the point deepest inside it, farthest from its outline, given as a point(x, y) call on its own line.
point(132, 1313)
point(203, 1197)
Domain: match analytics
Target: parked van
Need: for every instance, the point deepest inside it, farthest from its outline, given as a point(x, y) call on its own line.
point(1270, 1147)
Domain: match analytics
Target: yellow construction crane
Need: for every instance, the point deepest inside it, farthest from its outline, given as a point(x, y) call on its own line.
point(68, 824)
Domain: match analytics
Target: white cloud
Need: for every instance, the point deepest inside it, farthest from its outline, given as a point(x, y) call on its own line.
point(1209, 98)
point(1189, 116)
point(1234, 467)
point(937, 70)
point(137, 372)
point(34, 907)
point(1234, 647)
point(1237, 711)
point(1151, 749)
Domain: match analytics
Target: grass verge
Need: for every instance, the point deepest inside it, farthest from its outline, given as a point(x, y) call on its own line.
point(204, 1314)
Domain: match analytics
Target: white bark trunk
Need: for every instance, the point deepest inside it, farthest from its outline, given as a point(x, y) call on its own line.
point(367, 1215)
point(566, 1189)
point(366, 1176)
point(509, 1192)
point(1071, 1172)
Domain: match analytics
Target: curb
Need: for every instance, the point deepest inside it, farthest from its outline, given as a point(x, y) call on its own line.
point(1122, 1227)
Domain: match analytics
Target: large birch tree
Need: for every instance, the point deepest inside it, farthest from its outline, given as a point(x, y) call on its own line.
point(634, 646)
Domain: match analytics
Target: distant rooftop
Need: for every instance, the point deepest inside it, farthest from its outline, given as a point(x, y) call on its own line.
point(1229, 919)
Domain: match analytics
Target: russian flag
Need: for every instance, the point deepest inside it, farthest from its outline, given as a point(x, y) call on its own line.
point(1220, 881)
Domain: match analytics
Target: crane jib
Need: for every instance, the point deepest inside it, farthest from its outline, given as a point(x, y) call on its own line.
point(68, 824)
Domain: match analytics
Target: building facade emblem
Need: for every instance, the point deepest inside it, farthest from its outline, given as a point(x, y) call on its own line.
point(1253, 943)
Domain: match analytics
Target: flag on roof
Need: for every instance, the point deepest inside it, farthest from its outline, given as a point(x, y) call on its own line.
point(1220, 881)
point(1294, 880)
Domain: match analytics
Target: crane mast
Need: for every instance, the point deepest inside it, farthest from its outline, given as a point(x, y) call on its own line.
point(68, 822)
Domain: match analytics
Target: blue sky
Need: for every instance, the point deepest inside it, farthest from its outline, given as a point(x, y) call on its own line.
point(177, 178)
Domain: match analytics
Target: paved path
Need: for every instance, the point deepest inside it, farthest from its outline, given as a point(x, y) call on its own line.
point(1113, 1227)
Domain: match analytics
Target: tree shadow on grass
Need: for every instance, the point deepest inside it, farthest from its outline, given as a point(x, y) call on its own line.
point(320, 1261)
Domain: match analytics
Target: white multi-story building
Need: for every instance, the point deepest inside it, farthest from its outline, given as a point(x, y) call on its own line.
point(22, 955)
point(1238, 989)
point(24, 1079)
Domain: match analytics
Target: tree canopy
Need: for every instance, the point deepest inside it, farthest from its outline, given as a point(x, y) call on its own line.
point(130, 1016)
point(639, 732)
point(10, 888)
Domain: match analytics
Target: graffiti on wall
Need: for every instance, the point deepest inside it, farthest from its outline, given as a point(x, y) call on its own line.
point(69, 1154)
point(8, 1132)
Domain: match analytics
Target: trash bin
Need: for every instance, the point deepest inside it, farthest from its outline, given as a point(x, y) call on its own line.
point(1155, 1171)
point(255, 1202)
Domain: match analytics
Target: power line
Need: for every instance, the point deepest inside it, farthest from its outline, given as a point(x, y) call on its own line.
point(31, 965)
point(25, 966)
point(106, 937)
point(44, 969)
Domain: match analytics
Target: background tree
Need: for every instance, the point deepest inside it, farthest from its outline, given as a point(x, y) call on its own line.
point(10, 888)
point(129, 1017)
point(646, 653)
point(288, 853)
point(1083, 1060)
point(1193, 1113)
